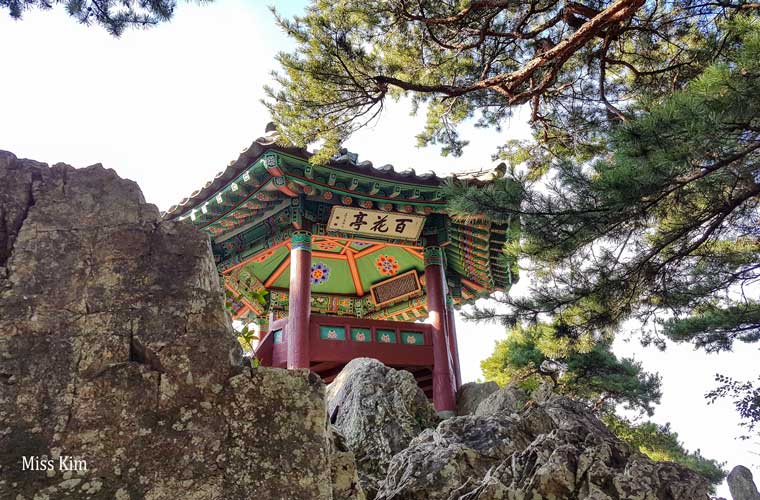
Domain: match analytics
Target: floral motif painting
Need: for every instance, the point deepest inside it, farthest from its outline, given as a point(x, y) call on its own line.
point(320, 273)
point(327, 245)
point(412, 338)
point(360, 334)
point(332, 332)
point(385, 336)
point(387, 265)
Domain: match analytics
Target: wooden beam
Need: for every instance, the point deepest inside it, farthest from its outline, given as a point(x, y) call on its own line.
point(329, 255)
point(367, 251)
point(276, 274)
point(347, 247)
point(354, 273)
point(473, 285)
point(242, 312)
point(329, 375)
point(415, 253)
point(323, 366)
point(249, 259)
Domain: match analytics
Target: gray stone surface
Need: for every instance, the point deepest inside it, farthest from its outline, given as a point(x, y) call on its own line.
point(741, 485)
point(115, 349)
point(550, 450)
point(345, 479)
point(471, 394)
point(378, 410)
point(507, 400)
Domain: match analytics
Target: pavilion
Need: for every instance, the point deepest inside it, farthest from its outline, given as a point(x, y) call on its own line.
point(338, 261)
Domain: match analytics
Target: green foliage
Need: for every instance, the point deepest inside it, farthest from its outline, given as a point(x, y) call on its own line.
point(114, 15)
point(589, 370)
point(576, 65)
point(746, 398)
point(664, 228)
point(660, 443)
point(715, 328)
point(467, 199)
point(602, 380)
point(246, 336)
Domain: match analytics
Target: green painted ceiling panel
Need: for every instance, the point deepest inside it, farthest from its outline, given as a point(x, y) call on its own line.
point(368, 265)
point(266, 263)
point(331, 276)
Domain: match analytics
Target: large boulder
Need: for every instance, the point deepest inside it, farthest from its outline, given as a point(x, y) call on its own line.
point(471, 394)
point(741, 485)
point(116, 352)
point(550, 449)
point(505, 401)
point(378, 410)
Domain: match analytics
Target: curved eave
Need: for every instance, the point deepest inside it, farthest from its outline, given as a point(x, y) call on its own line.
point(262, 145)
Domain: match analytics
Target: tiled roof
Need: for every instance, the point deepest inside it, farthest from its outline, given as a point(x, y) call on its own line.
point(344, 161)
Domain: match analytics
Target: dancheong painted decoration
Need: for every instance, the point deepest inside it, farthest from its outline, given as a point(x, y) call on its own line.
point(344, 260)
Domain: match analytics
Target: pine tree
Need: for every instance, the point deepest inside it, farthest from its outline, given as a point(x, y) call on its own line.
point(663, 228)
point(578, 65)
point(114, 15)
point(659, 442)
point(530, 355)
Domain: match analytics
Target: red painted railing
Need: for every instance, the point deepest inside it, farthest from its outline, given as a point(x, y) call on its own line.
point(338, 339)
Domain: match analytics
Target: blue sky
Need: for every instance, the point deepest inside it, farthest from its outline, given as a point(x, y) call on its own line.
point(171, 106)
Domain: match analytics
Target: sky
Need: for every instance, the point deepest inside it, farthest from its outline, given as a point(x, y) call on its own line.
point(169, 107)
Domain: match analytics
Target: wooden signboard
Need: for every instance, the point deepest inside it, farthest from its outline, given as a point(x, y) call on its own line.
point(375, 223)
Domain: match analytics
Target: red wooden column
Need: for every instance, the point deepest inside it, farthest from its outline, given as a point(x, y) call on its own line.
point(444, 398)
point(299, 300)
point(451, 335)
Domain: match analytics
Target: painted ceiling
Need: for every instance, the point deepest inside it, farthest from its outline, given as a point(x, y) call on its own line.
point(251, 208)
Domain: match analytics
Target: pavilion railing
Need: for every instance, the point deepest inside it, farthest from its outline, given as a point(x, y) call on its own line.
point(341, 339)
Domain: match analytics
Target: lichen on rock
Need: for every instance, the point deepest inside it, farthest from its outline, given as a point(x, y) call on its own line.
point(549, 448)
point(378, 410)
point(115, 349)
point(471, 394)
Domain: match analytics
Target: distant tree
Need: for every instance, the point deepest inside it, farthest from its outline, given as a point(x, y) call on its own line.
point(659, 442)
point(746, 398)
point(592, 374)
point(534, 355)
point(114, 15)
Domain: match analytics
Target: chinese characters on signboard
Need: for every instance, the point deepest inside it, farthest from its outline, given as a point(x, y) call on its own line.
point(375, 223)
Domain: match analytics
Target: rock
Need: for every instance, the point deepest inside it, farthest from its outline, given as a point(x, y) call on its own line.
point(378, 410)
point(115, 350)
point(507, 400)
point(438, 463)
point(345, 479)
point(555, 449)
point(741, 485)
point(471, 394)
